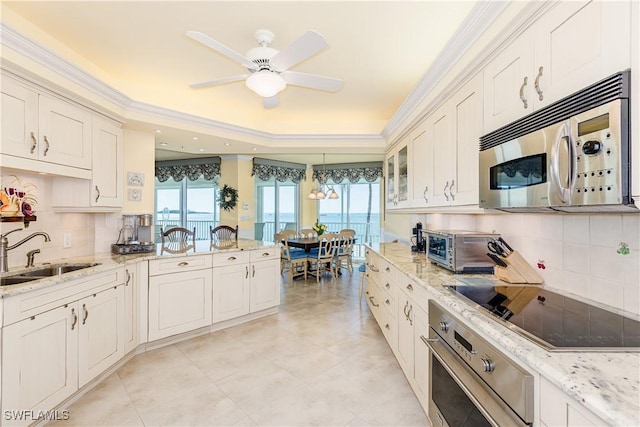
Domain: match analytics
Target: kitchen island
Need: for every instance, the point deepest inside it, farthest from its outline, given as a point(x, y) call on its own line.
point(606, 384)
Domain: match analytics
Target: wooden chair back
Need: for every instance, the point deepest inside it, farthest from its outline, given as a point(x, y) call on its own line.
point(308, 233)
point(223, 235)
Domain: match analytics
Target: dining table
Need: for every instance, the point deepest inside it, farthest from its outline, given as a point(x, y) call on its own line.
point(307, 243)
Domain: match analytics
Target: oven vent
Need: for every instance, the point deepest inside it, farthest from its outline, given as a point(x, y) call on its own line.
point(613, 87)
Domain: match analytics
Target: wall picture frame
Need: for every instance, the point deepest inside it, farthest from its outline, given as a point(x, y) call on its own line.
point(135, 178)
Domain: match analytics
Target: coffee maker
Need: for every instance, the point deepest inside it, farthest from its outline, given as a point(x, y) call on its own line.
point(135, 235)
point(417, 239)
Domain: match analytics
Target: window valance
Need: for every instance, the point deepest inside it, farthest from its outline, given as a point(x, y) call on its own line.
point(207, 167)
point(354, 172)
point(282, 171)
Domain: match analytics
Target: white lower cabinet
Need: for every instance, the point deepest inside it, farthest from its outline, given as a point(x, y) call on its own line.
point(40, 365)
point(54, 353)
point(559, 410)
point(245, 282)
point(413, 354)
point(179, 302)
point(101, 332)
point(130, 316)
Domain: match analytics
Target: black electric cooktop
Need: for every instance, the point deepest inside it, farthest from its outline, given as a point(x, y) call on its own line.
point(554, 321)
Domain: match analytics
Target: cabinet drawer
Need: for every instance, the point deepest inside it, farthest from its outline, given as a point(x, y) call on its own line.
point(224, 259)
point(413, 289)
point(177, 264)
point(29, 304)
point(264, 254)
point(387, 271)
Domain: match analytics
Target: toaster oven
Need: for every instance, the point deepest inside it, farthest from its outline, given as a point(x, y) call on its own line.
point(460, 251)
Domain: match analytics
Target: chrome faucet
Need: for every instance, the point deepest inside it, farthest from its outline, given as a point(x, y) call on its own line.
point(4, 246)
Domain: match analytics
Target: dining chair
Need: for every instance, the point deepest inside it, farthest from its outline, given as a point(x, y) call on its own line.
point(178, 239)
point(296, 261)
point(363, 272)
point(308, 233)
point(349, 231)
point(324, 258)
point(344, 252)
point(223, 235)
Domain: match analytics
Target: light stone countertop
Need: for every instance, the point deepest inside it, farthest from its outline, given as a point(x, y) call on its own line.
point(606, 383)
point(108, 261)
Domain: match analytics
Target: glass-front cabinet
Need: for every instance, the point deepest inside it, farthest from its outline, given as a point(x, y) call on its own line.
point(397, 177)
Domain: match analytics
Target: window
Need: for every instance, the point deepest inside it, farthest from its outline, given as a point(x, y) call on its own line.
point(276, 207)
point(187, 204)
point(357, 208)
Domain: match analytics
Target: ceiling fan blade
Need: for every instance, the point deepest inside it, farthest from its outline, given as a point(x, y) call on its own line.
point(305, 46)
point(312, 81)
point(270, 102)
point(217, 46)
point(221, 81)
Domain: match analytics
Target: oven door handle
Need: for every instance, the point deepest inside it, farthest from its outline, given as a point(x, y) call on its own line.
point(491, 400)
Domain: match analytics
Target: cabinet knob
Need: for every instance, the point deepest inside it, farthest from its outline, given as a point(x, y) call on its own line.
point(444, 326)
point(409, 287)
point(488, 364)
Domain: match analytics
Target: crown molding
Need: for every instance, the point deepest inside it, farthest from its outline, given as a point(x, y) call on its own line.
point(13, 39)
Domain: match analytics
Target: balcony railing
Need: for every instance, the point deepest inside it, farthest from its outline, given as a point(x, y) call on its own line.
point(266, 230)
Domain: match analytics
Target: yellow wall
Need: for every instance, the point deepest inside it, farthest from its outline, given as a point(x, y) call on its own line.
point(308, 207)
point(235, 171)
point(139, 156)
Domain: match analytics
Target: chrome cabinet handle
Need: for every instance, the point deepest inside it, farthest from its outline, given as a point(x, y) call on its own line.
point(265, 254)
point(373, 302)
point(46, 148)
point(34, 143)
point(183, 264)
point(231, 258)
point(451, 190)
point(536, 84)
point(126, 283)
point(253, 271)
point(404, 310)
point(522, 98)
point(246, 271)
point(446, 187)
point(98, 194)
point(75, 319)
point(409, 287)
point(86, 313)
point(409, 315)
point(424, 194)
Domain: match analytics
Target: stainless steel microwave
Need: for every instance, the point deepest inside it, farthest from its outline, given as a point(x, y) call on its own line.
point(573, 155)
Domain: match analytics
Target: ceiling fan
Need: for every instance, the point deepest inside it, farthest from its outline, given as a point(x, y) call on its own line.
point(269, 68)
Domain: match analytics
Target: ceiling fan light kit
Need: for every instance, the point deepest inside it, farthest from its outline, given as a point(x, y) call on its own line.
point(265, 83)
point(269, 67)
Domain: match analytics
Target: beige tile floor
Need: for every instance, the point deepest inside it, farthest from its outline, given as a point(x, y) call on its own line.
point(321, 361)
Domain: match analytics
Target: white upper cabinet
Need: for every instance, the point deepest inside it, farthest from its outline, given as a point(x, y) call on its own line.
point(107, 180)
point(40, 127)
point(573, 45)
point(422, 167)
point(398, 178)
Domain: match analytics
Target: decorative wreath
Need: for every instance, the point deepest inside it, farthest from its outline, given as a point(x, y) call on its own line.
point(228, 198)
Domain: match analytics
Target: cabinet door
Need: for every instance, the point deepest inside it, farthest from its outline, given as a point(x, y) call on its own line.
point(508, 85)
point(106, 187)
point(102, 329)
point(467, 129)
point(39, 369)
point(65, 133)
point(579, 43)
point(390, 190)
point(443, 154)
point(265, 285)
point(19, 120)
point(405, 334)
point(130, 309)
point(179, 302)
point(422, 167)
point(421, 355)
point(230, 291)
point(403, 176)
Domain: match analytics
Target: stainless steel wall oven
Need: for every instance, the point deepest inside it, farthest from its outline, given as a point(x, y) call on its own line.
point(472, 383)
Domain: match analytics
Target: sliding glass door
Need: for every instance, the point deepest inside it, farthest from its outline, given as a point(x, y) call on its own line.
point(277, 208)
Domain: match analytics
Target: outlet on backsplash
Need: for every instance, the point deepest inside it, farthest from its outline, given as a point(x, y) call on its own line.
point(66, 240)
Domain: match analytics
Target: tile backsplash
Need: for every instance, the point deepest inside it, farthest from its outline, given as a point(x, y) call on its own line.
point(581, 253)
point(90, 233)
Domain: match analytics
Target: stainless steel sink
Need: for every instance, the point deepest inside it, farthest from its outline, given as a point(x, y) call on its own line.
point(44, 272)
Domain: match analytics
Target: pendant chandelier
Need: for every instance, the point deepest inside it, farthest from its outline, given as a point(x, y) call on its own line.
point(318, 192)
